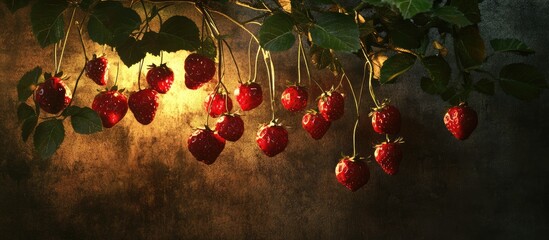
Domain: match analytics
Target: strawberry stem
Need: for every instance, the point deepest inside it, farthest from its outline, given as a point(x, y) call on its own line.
point(65, 41)
point(299, 47)
point(139, 74)
point(79, 26)
point(306, 61)
point(371, 71)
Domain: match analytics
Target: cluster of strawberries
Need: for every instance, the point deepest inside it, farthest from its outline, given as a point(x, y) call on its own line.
point(206, 144)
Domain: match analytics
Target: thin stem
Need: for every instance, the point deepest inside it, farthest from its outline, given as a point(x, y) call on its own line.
point(76, 84)
point(371, 70)
point(256, 62)
point(299, 47)
point(250, 59)
point(146, 15)
point(234, 60)
point(237, 24)
point(270, 76)
point(82, 41)
point(161, 57)
point(357, 106)
point(308, 70)
point(117, 72)
point(55, 57)
point(139, 74)
point(65, 41)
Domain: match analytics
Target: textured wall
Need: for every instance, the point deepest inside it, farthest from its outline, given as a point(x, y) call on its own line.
point(136, 182)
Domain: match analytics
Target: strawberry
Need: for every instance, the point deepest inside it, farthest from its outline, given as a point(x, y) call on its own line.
point(160, 78)
point(97, 70)
point(331, 105)
point(389, 155)
point(461, 120)
point(199, 69)
point(111, 105)
point(294, 98)
point(248, 95)
point(315, 124)
point(352, 173)
point(52, 95)
point(386, 119)
point(143, 105)
point(272, 139)
point(220, 103)
point(205, 145)
point(230, 127)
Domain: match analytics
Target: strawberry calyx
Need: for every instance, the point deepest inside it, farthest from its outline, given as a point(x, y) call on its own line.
point(383, 104)
point(354, 158)
point(398, 140)
point(312, 111)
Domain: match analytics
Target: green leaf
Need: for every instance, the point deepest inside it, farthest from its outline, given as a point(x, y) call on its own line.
point(14, 5)
point(111, 23)
point(469, 8)
point(207, 48)
point(522, 81)
point(404, 34)
point(395, 66)
point(27, 83)
point(335, 31)
point(179, 33)
point(47, 21)
point(130, 52)
point(452, 15)
point(48, 137)
point(485, 86)
point(323, 58)
point(469, 47)
point(24, 111)
point(511, 45)
point(439, 71)
point(409, 8)
point(377, 3)
point(276, 33)
point(28, 126)
point(430, 87)
point(86, 121)
point(70, 111)
point(87, 4)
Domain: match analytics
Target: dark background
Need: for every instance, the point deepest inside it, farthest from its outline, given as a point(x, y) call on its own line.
point(140, 182)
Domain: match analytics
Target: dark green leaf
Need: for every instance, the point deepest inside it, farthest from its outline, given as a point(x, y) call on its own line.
point(522, 81)
point(324, 58)
point(179, 33)
point(70, 111)
point(452, 15)
point(47, 21)
point(485, 86)
point(395, 66)
point(404, 34)
point(454, 97)
point(469, 47)
point(28, 126)
point(24, 111)
point(377, 3)
point(276, 32)
point(130, 52)
point(409, 8)
point(207, 48)
point(86, 121)
point(27, 83)
point(87, 4)
point(469, 8)
point(111, 23)
point(335, 31)
point(439, 71)
point(48, 137)
point(366, 28)
point(511, 45)
point(14, 5)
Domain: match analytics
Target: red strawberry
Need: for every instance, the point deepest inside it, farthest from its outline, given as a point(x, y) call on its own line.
point(111, 106)
point(230, 127)
point(386, 119)
point(248, 95)
point(199, 69)
point(331, 105)
point(160, 78)
point(315, 124)
point(461, 121)
point(351, 173)
point(52, 95)
point(220, 103)
point(272, 139)
point(143, 105)
point(205, 145)
point(389, 155)
point(97, 70)
point(294, 98)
